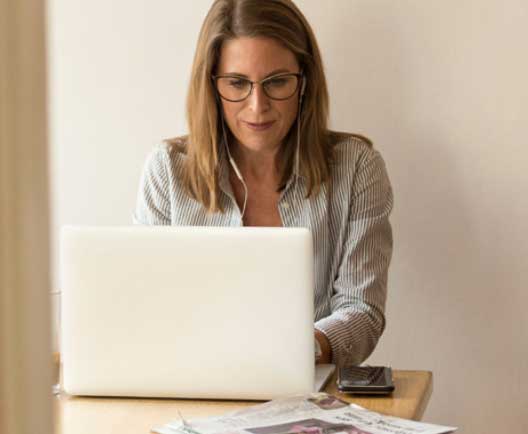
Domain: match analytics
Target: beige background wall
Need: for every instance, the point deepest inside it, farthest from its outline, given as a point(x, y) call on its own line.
point(440, 86)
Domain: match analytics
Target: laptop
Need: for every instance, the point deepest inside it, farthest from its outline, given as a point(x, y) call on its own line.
point(188, 312)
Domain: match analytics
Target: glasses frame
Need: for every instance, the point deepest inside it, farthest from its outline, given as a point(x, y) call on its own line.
point(299, 76)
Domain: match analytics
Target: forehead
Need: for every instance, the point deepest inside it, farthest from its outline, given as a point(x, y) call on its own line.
point(255, 57)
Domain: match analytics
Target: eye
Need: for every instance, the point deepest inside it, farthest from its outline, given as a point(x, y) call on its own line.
point(278, 82)
point(237, 83)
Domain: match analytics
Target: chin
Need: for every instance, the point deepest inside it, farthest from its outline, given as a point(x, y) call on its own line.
point(259, 142)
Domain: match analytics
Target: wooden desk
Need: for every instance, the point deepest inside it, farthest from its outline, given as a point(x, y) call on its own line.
point(82, 415)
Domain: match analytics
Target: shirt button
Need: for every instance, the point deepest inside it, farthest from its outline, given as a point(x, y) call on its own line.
point(285, 205)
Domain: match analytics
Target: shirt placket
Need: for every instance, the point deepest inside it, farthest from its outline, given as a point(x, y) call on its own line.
point(290, 202)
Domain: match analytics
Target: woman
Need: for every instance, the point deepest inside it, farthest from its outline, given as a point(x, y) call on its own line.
point(259, 153)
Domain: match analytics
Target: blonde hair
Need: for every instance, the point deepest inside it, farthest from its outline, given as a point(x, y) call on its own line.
point(284, 22)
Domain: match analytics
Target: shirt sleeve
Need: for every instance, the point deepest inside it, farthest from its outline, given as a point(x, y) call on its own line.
point(153, 199)
point(360, 288)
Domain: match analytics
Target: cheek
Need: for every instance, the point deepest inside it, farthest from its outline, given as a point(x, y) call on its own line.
point(288, 111)
point(230, 113)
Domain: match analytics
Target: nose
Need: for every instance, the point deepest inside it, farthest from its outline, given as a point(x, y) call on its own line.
point(258, 101)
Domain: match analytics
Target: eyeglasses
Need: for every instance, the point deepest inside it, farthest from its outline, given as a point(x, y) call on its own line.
point(278, 87)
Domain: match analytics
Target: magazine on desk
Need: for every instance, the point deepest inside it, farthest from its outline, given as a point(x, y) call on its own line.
point(316, 413)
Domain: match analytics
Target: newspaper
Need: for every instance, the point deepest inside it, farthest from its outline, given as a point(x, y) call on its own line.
point(316, 413)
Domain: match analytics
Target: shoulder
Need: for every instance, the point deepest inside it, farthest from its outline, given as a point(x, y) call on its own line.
point(177, 145)
point(167, 156)
point(358, 169)
point(175, 148)
point(351, 151)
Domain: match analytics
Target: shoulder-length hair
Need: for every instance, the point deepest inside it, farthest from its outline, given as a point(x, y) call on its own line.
point(284, 22)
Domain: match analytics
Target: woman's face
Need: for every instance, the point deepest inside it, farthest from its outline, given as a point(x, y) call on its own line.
point(258, 122)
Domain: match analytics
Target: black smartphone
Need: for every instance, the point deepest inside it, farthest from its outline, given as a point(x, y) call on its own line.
point(365, 380)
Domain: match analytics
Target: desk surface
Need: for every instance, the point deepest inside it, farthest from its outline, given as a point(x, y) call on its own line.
point(83, 415)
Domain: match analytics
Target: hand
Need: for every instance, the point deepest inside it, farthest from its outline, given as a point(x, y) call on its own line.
point(326, 356)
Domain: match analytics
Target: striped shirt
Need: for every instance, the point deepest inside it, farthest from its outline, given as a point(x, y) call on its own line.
point(349, 223)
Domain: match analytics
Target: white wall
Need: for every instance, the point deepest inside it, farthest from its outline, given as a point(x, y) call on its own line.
point(441, 88)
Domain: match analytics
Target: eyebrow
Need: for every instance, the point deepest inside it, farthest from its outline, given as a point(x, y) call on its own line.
point(272, 73)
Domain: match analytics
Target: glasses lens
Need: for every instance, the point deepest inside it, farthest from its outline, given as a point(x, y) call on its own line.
point(281, 87)
point(233, 88)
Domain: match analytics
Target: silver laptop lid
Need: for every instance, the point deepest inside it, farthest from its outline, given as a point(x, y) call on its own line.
point(193, 312)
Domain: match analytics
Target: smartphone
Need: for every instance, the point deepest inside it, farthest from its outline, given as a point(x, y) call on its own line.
point(365, 380)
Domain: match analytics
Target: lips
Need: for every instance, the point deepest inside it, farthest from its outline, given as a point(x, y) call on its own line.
point(259, 126)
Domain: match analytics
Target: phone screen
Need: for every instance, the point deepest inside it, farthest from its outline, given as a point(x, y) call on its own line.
point(366, 379)
point(364, 376)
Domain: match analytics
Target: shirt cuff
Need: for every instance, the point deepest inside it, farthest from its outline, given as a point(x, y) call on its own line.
point(352, 334)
